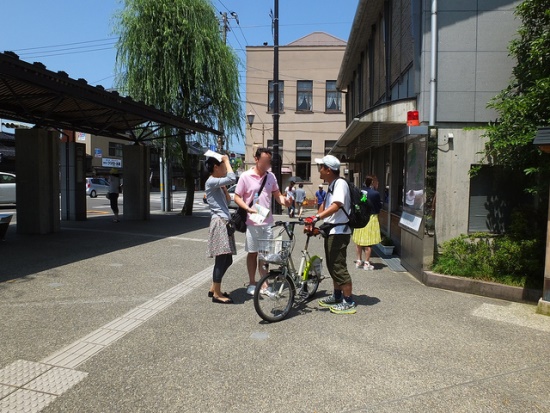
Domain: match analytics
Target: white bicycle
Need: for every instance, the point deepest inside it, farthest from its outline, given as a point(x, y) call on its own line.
point(276, 292)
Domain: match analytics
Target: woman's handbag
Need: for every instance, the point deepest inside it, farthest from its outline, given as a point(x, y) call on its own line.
point(238, 218)
point(230, 228)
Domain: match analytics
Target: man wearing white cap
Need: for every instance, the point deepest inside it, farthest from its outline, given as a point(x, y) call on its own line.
point(332, 212)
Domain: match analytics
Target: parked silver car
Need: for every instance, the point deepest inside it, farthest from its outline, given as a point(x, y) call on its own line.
point(96, 186)
point(232, 203)
point(7, 188)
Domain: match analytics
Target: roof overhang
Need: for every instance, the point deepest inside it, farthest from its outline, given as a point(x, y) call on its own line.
point(375, 127)
point(31, 93)
point(368, 11)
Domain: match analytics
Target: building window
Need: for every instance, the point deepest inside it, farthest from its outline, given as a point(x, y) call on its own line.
point(281, 95)
point(333, 101)
point(328, 146)
point(270, 146)
point(494, 194)
point(115, 149)
point(303, 159)
point(304, 96)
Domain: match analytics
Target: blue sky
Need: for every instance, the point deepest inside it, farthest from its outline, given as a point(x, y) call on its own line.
point(76, 35)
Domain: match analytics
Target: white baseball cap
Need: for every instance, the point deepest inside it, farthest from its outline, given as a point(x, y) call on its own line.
point(331, 161)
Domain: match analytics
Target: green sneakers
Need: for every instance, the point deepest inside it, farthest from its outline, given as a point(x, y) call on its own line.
point(344, 308)
point(329, 301)
point(336, 306)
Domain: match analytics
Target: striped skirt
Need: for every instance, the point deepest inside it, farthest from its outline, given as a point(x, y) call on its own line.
point(369, 235)
point(219, 242)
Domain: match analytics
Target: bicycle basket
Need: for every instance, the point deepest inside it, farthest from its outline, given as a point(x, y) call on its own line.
point(274, 251)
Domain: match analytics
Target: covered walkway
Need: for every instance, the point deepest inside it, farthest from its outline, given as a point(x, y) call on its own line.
point(54, 103)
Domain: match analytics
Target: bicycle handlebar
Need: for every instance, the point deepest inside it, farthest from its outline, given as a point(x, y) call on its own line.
point(310, 229)
point(287, 223)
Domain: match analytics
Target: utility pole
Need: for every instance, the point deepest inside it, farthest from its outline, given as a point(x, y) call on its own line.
point(276, 166)
point(225, 28)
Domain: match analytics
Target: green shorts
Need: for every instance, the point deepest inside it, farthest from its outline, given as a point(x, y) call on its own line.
point(336, 247)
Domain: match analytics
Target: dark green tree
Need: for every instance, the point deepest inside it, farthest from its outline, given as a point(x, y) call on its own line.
point(525, 104)
point(170, 55)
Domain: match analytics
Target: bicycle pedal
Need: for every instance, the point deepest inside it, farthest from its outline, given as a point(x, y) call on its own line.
point(302, 296)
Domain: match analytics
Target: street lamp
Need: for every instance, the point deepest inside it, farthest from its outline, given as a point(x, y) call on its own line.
point(542, 141)
point(250, 118)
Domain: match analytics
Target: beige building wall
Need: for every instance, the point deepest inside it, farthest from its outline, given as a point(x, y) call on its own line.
point(316, 57)
point(98, 148)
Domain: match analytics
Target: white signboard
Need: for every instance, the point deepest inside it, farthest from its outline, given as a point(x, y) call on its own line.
point(410, 221)
point(111, 163)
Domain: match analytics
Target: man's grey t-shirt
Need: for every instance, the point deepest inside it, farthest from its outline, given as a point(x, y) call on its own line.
point(300, 195)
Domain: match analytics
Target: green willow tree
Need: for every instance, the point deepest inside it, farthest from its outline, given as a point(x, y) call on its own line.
point(170, 55)
point(525, 104)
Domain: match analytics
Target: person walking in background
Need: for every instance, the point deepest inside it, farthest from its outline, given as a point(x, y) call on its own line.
point(320, 197)
point(365, 238)
point(260, 186)
point(290, 193)
point(114, 190)
point(300, 198)
point(221, 239)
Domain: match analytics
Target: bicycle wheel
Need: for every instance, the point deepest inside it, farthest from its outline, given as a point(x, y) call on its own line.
point(314, 275)
point(275, 302)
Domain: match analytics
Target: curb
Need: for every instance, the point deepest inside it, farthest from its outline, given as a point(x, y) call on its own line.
point(479, 287)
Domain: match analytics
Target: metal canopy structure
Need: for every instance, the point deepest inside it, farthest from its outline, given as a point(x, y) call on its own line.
point(31, 93)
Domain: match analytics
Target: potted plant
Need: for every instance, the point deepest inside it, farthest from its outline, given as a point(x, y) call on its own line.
point(387, 245)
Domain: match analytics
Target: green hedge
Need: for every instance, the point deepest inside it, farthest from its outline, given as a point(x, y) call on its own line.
point(516, 258)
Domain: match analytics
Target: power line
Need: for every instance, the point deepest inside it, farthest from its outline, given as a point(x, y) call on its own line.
point(66, 44)
point(67, 53)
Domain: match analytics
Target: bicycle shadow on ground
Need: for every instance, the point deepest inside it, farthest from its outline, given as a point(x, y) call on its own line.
point(310, 305)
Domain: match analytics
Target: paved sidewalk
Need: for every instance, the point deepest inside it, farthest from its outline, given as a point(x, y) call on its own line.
point(105, 317)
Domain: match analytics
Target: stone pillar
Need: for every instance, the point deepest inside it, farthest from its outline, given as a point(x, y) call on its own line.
point(37, 182)
point(544, 303)
point(73, 181)
point(135, 180)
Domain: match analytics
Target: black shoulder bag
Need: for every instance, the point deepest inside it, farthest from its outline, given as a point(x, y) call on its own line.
point(238, 218)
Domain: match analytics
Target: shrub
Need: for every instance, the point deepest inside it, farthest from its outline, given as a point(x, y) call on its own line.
point(503, 258)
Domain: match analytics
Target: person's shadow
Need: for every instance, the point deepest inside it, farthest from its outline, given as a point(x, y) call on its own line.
point(366, 300)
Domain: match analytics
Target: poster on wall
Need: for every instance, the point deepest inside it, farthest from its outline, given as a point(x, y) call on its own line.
point(414, 196)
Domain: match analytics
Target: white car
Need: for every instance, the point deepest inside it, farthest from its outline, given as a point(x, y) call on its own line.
point(231, 191)
point(7, 188)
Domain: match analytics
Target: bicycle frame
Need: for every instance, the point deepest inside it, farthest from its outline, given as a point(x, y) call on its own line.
point(305, 256)
point(277, 290)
